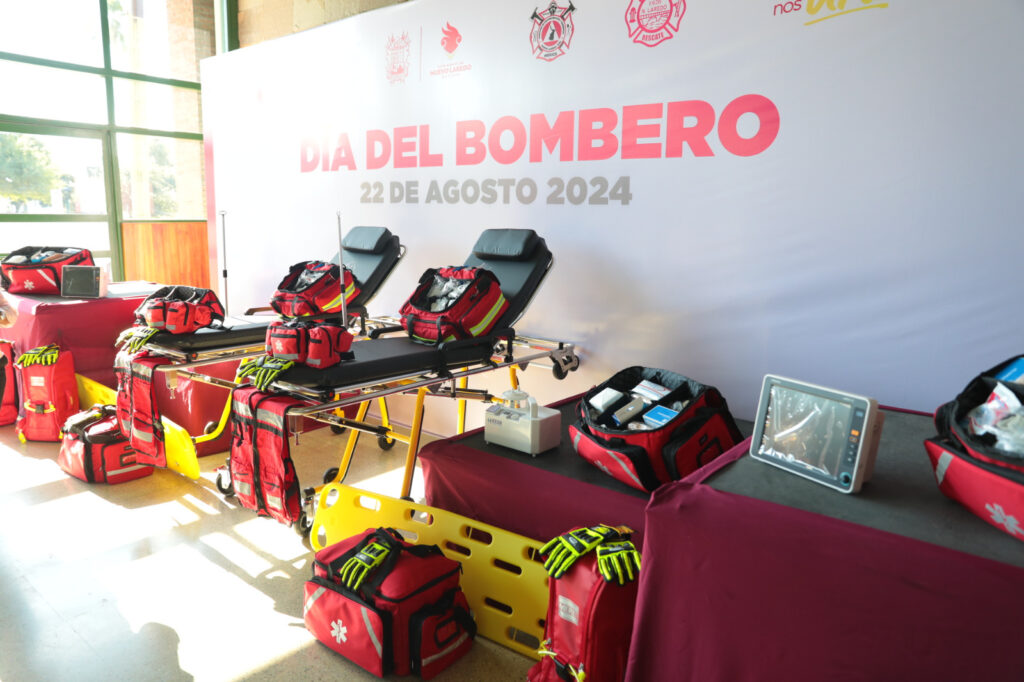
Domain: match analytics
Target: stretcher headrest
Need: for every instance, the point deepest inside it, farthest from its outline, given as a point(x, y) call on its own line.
point(503, 244)
point(366, 239)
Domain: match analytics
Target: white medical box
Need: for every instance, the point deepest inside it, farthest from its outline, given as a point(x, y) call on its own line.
point(518, 422)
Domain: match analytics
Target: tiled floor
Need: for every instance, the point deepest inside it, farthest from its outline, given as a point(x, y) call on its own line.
point(163, 579)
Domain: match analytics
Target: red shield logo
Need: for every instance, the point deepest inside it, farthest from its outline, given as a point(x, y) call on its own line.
point(652, 22)
point(552, 30)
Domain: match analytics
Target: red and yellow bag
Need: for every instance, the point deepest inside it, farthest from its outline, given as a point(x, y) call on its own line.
point(453, 303)
point(94, 449)
point(312, 288)
point(49, 391)
point(316, 344)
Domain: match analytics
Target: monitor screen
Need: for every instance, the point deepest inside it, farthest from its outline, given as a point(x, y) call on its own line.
point(808, 430)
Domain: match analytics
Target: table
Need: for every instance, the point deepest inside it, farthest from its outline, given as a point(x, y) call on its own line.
point(756, 574)
point(87, 327)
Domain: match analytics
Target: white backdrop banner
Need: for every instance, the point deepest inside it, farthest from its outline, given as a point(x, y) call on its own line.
point(824, 189)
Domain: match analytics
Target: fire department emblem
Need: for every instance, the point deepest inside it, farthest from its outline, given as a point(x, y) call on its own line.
point(652, 22)
point(552, 31)
point(396, 51)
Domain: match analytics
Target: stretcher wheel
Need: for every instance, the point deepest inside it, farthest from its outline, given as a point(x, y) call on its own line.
point(304, 525)
point(330, 474)
point(223, 483)
point(385, 443)
point(559, 372)
point(335, 429)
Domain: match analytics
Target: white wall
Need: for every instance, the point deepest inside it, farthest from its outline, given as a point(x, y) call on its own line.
point(873, 245)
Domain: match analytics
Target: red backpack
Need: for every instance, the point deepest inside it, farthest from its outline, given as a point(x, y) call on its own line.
point(49, 390)
point(968, 466)
point(180, 309)
point(38, 269)
point(312, 288)
point(94, 449)
point(409, 616)
point(587, 628)
point(138, 413)
point(453, 303)
point(8, 384)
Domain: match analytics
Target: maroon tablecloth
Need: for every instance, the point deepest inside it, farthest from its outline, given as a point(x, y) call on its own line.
point(739, 588)
point(86, 327)
point(539, 497)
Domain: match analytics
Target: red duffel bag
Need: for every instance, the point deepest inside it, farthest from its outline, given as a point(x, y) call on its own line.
point(453, 303)
point(312, 288)
point(180, 309)
point(409, 615)
point(981, 467)
point(319, 344)
point(38, 269)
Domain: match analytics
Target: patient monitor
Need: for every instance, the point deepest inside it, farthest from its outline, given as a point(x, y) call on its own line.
point(825, 435)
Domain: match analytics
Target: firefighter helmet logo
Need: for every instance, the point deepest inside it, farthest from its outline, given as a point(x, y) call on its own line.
point(396, 62)
point(552, 31)
point(652, 22)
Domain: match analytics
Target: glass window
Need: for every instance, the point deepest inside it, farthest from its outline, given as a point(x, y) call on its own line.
point(62, 30)
point(161, 107)
point(94, 236)
point(164, 38)
point(51, 174)
point(57, 94)
point(161, 177)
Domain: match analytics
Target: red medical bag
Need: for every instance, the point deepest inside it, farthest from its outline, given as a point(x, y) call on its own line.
point(180, 309)
point(260, 464)
point(138, 412)
point(94, 449)
point(8, 384)
point(38, 269)
point(968, 467)
point(312, 288)
point(645, 458)
point(316, 344)
point(408, 617)
point(453, 303)
point(49, 395)
point(588, 626)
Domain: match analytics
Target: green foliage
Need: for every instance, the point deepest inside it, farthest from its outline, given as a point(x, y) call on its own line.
point(26, 173)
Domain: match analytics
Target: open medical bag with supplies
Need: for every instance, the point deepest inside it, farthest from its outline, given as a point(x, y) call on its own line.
point(978, 456)
point(95, 451)
point(451, 303)
point(647, 426)
point(389, 606)
point(38, 269)
point(592, 596)
point(312, 288)
point(49, 392)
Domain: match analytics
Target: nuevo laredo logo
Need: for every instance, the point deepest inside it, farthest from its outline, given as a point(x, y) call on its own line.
point(450, 41)
point(652, 22)
point(552, 31)
point(451, 38)
point(396, 58)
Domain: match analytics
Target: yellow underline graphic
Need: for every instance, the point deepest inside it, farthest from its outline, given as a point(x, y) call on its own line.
point(839, 14)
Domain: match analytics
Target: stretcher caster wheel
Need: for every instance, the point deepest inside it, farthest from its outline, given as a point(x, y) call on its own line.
point(223, 483)
point(559, 371)
point(335, 429)
point(330, 474)
point(209, 428)
point(385, 443)
point(304, 525)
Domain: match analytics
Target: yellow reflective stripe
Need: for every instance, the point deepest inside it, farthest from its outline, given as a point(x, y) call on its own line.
point(476, 329)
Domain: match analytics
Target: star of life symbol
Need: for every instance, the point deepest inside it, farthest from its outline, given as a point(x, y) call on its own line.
point(652, 22)
point(396, 62)
point(552, 31)
point(1010, 523)
point(30, 285)
point(339, 631)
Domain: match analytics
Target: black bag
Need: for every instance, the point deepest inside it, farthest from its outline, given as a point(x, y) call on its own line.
point(644, 459)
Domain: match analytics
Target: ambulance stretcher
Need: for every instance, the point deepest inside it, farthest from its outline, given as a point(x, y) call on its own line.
point(390, 363)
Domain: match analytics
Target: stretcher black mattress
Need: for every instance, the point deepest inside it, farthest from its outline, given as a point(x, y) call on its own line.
point(237, 332)
point(387, 358)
